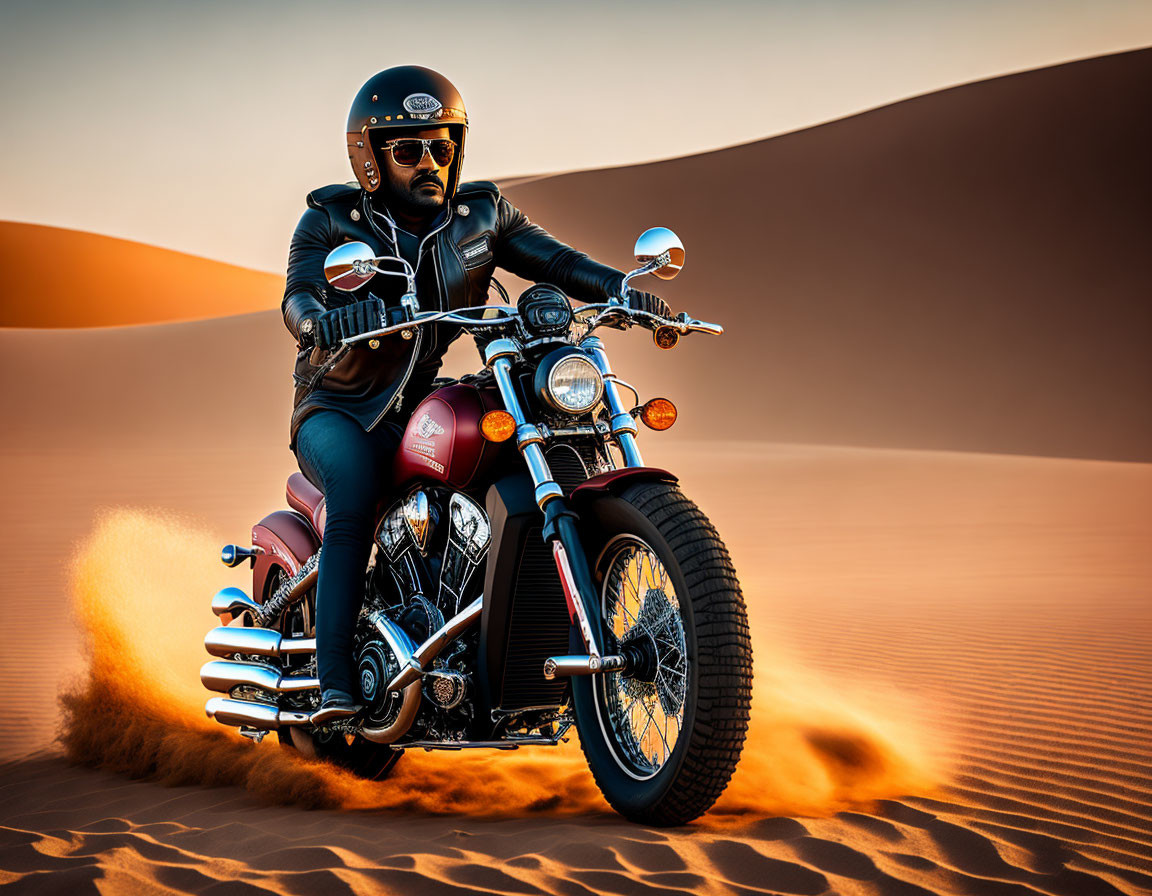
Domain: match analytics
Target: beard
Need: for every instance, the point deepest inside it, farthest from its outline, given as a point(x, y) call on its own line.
point(408, 199)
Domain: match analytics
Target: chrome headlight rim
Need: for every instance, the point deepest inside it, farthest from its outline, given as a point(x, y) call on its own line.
point(554, 366)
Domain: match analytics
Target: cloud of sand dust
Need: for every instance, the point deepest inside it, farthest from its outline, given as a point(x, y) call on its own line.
point(141, 586)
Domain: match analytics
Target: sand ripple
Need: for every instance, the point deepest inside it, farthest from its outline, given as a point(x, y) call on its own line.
point(1035, 712)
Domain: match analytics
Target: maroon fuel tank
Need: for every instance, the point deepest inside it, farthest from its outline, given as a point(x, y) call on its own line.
point(443, 441)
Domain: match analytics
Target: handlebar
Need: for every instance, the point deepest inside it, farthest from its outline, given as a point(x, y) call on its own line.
point(682, 323)
point(601, 312)
point(458, 317)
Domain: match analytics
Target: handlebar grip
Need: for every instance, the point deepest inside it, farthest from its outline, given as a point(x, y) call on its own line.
point(705, 327)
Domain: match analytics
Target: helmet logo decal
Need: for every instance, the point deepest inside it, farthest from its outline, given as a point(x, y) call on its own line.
point(422, 105)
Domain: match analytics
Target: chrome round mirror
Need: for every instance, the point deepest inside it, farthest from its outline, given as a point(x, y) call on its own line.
point(656, 243)
point(350, 266)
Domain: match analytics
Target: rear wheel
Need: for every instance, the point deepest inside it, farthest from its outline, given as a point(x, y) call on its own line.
point(663, 740)
point(352, 752)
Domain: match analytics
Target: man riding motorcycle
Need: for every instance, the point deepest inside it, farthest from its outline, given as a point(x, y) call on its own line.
point(406, 132)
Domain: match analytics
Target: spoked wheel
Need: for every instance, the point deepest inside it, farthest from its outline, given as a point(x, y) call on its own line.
point(352, 752)
point(643, 712)
point(663, 738)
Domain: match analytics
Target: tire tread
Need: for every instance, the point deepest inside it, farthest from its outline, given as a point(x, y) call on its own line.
point(723, 656)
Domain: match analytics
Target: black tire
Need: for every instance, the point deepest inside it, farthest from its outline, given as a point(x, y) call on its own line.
point(716, 697)
point(362, 757)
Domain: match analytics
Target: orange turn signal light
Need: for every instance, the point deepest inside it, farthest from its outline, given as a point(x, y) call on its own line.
point(497, 426)
point(665, 337)
point(658, 413)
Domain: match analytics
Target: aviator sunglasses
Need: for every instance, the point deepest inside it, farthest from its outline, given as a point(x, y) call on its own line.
point(408, 151)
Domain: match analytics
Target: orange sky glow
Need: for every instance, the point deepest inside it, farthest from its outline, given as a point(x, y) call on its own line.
point(200, 127)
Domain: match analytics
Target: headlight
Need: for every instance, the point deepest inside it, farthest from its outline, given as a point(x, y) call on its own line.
point(545, 310)
point(569, 382)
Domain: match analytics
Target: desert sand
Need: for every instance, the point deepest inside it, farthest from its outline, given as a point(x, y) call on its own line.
point(952, 694)
point(952, 690)
point(953, 649)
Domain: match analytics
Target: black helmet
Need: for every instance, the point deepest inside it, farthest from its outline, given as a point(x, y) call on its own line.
point(400, 99)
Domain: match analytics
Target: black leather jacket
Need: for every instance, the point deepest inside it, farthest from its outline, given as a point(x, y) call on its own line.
point(480, 230)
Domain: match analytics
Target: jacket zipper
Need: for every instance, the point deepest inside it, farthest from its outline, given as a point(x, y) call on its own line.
point(398, 398)
point(441, 292)
point(430, 234)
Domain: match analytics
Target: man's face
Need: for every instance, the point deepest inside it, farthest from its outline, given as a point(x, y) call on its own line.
point(415, 191)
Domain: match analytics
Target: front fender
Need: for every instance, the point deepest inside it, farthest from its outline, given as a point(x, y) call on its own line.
point(615, 481)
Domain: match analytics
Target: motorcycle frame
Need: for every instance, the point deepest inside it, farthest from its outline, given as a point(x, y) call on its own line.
point(516, 504)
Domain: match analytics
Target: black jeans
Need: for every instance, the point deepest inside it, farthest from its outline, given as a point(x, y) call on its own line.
point(354, 470)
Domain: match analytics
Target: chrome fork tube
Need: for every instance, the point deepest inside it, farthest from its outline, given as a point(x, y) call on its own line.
point(619, 420)
point(559, 528)
point(528, 436)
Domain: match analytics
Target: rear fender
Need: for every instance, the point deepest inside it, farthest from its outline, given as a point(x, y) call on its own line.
point(286, 539)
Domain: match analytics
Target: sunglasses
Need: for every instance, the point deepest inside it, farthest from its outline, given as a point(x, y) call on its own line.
point(408, 151)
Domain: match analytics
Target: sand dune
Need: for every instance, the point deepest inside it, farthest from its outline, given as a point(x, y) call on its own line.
point(53, 277)
point(965, 270)
point(954, 651)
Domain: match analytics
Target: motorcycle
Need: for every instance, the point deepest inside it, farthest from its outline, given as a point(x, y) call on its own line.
point(533, 574)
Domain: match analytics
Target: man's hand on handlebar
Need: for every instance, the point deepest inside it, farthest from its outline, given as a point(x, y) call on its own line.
point(647, 302)
point(636, 300)
point(620, 316)
point(332, 327)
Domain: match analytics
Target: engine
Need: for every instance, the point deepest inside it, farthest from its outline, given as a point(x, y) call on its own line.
point(429, 547)
point(431, 544)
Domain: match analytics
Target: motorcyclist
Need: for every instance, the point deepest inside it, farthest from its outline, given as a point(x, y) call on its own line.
point(406, 133)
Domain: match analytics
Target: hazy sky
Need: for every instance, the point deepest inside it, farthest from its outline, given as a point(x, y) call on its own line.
point(200, 126)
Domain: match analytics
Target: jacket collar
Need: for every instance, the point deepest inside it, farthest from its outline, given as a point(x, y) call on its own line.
point(372, 212)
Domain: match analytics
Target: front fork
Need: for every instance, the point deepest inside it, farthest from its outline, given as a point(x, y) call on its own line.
point(620, 421)
point(559, 521)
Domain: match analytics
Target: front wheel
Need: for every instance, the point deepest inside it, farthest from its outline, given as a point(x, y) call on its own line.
point(663, 739)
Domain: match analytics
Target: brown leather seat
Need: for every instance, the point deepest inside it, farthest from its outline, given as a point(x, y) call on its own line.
point(306, 499)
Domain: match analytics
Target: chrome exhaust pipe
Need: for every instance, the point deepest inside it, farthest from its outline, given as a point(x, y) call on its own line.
point(567, 666)
point(223, 676)
point(252, 715)
point(412, 660)
point(232, 602)
point(423, 655)
point(228, 640)
point(410, 696)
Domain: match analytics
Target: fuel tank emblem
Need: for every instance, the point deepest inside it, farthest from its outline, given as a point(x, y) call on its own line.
point(427, 427)
point(422, 446)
